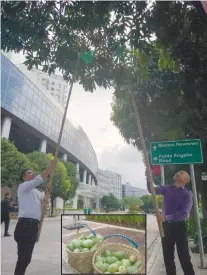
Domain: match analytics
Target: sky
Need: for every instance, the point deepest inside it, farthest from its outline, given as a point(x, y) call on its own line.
point(92, 112)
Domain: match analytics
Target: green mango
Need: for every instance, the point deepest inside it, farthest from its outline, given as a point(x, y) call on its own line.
point(123, 269)
point(133, 259)
point(70, 247)
point(88, 243)
point(99, 259)
point(138, 264)
point(120, 255)
point(107, 253)
point(131, 269)
point(77, 250)
point(113, 268)
point(119, 263)
point(91, 236)
point(103, 259)
point(101, 267)
point(111, 260)
point(85, 250)
point(93, 248)
point(106, 266)
point(77, 243)
point(126, 262)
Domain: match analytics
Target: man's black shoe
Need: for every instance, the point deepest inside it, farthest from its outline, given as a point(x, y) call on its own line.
point(7, 235)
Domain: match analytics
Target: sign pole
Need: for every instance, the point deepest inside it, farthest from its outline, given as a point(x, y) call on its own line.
point(162, 169)
point(200, 240)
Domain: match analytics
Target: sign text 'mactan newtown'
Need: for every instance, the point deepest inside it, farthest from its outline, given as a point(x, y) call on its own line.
point(178, 144)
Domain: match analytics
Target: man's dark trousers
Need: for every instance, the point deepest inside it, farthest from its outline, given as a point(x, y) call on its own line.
point(176, 233)
point(25, 235)
point(6, 220)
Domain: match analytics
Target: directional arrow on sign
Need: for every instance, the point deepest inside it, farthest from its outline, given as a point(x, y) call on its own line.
point(155, 158)
point(155, 147)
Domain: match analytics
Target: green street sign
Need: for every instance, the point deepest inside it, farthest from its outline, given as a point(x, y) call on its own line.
point(176, 152)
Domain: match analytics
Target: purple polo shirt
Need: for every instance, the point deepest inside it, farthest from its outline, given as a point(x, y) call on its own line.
point(177, 201)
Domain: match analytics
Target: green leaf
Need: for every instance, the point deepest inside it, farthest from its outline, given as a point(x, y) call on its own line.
point(88, 57)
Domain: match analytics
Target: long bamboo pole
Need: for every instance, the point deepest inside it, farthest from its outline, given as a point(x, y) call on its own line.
point(149, 173)
point(47, 195)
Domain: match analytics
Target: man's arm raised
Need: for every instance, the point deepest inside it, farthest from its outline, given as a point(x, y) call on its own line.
point(159, 190)
point(27, 185)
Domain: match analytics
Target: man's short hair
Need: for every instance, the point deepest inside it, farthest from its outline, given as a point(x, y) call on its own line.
point(23, 174)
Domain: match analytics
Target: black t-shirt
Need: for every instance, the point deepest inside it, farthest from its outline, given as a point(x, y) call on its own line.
point(5, 207)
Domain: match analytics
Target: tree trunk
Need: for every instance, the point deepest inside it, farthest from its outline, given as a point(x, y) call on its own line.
point(52, 205)
point(204, 199)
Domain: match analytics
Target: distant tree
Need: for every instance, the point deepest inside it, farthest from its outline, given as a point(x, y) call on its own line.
point(110, 202)
point(148, 202)
point(13, 163)
point(132, 203)
point(160, 201)
point(71, 173)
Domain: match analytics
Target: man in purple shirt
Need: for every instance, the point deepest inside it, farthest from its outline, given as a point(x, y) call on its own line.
point(177, 206)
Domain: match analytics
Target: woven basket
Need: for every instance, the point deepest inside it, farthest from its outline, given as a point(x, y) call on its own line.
point(80, 262)
point(129, 250)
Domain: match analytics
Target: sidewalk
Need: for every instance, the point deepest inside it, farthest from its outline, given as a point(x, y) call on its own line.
point(157, 266)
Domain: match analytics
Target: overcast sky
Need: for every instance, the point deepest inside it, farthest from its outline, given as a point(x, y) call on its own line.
point(92, 112)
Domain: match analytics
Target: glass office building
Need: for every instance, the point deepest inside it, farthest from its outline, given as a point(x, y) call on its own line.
point(21, 98)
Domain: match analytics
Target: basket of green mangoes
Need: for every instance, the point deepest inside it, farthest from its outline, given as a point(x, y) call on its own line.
point(81, 250)
point(118, 258)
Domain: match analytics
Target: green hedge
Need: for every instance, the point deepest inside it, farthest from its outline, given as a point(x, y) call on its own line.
point(125, 220)
point(71, 209)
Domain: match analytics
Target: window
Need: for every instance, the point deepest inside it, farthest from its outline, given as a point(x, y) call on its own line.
point(52, 89)
point(53, 83)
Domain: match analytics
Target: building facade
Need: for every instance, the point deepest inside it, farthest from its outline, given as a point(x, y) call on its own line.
point(110, 182)
point(130, 191)
point(31, 118)
point(53, 84)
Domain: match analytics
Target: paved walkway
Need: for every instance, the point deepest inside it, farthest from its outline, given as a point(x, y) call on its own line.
point(157, 266)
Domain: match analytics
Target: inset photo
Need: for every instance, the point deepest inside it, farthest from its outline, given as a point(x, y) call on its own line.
point(104, 244)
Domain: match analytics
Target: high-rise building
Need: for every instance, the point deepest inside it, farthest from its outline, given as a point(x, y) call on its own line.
point(130, 191)
point(54, 84)
point(111, 182)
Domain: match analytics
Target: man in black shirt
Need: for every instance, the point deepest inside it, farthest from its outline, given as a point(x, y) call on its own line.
point(5, 211)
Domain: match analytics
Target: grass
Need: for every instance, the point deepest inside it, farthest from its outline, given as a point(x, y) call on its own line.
point(133, 221)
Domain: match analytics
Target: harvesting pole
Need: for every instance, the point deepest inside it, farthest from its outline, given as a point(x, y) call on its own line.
point(149, 173)
point(47, 195)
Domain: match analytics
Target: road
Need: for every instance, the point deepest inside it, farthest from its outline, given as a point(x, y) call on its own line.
point(47, 253)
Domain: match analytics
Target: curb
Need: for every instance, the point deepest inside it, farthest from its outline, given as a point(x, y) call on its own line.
point(154, 255)
point(196, 269)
